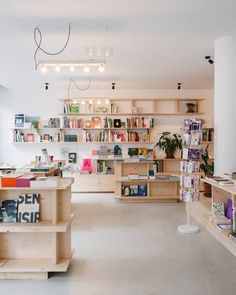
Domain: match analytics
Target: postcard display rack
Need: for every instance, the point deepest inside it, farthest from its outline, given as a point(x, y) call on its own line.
point(190, 168)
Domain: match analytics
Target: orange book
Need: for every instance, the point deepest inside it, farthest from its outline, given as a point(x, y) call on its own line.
point(10, 180)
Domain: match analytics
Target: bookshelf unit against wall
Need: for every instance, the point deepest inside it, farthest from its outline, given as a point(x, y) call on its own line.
point(154, 106)
point(32, 250)
point(132, 183)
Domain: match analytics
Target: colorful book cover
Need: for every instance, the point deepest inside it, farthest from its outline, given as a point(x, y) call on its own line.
point(218, 209)
point(28, 208)
point(133, 190)
point(8, 209)
point(125, 190)
point(142, 190)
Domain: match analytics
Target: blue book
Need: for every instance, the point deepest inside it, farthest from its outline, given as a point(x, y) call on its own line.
point(8, 209)
point(142, 190)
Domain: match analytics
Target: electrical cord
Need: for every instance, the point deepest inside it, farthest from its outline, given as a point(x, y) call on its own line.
point(77, 86)
point(38, 43)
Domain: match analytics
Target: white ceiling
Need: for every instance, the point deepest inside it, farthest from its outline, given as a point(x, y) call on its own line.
point(156, 43)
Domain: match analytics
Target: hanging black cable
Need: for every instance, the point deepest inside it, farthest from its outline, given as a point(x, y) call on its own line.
point(77, 86)
point(39, 42)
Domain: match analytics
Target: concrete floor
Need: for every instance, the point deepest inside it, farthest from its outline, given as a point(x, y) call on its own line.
point(135, 249)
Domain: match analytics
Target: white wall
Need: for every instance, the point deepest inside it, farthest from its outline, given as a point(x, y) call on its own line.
point(30, 97)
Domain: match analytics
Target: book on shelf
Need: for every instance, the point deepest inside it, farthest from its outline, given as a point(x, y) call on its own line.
point(134, 190)
point(232, 236)
point(8, 210)
point(51, 182)
point(218, 209)
point(28, 208)
point(219, 220)
point(224, 226)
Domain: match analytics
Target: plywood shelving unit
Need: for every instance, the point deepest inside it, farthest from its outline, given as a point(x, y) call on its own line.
point(32, 250)
point(157, 190)
point(202, 210)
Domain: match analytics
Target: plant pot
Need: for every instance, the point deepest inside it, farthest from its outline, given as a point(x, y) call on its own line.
point(170, 154)
point(207, 189)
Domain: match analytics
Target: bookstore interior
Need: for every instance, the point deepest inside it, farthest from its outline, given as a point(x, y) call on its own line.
point(77, 157)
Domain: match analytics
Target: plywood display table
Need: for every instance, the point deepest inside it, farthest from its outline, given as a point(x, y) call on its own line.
point(32, 250)
point(202, 211)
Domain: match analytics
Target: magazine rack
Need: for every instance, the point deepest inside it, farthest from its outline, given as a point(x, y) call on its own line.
point(190, 168)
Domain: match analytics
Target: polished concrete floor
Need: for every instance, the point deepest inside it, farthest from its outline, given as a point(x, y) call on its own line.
point(135, 249)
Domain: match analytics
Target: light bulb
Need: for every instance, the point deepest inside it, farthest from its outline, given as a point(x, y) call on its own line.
point(83, 102)
point(101, 68)
point(86, 69)
point(107, 53)
point(44, 69)
point(90, 101)
point(72, 68)
point(57, 69)
point(99, 102)
point(107, 101)
point(74, 101)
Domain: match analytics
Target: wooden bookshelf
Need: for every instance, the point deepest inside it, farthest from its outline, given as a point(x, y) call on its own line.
point(202, 211)
point(32, 250)
point(157, 190)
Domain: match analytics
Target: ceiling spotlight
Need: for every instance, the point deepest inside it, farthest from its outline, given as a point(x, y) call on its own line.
point(113, 86)
point(74, 101)
point(82, 102)
point(44, 69)
point(107, 101)
point(179, 85)
point(72, 68)
point(90, 101)
point(209, 59)
point(57, 69)
point(101, 68)
point(99, 102)
point(86, 69)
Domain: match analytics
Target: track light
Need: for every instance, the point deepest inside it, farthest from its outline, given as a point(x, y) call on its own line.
point(101, 68)
point(99, 102)
point(113, 85)
point(86, 69)
point(179, 84)
point(82, 102)
point(209, 59)
point(90, 101)
point(57, 68)
point(44, 69)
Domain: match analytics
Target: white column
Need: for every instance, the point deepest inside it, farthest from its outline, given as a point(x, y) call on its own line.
point(225, 105)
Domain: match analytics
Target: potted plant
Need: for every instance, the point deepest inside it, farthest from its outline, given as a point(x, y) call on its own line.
point(208, 168)
point(169, 143)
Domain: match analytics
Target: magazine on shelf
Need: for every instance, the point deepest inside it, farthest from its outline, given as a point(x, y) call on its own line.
point(8, 210)
point(28, 208)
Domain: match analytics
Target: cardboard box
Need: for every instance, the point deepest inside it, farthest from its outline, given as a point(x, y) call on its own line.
point(24, 181)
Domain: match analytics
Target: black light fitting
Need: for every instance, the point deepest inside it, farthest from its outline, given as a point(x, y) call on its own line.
point(113, 85)
point(179, 85)
point(209, 59)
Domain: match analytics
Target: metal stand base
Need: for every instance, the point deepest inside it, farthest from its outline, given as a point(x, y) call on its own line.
point(188, 229)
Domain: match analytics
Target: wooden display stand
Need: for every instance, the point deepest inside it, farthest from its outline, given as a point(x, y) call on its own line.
point(202, 210)
point(157, 190)
point(32, 250)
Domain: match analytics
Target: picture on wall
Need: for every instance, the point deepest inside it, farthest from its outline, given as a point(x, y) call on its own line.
point(19, 120)
point(72, 158)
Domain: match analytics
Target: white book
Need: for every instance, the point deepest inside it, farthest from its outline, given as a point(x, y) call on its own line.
point(44, 182)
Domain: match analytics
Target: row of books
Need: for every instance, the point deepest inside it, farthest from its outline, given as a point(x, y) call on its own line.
point(28, 180)
point(70, 107)
point(114, 136)
point(189, 166)
point(134, 190)
point(189, 181)
point(97, 122)
point(23, 209)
